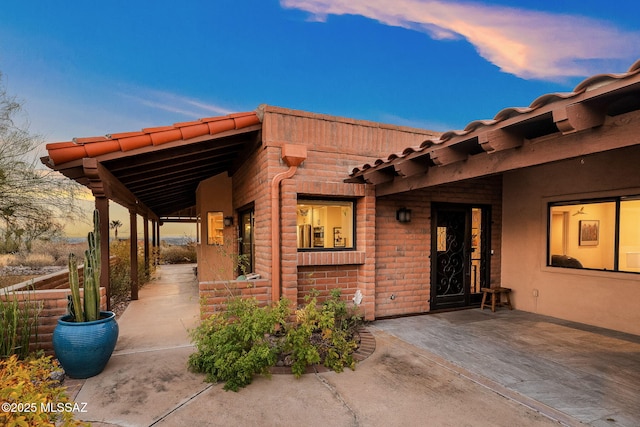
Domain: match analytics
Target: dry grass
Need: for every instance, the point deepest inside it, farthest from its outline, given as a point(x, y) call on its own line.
point(14, 280)
point(20, 267)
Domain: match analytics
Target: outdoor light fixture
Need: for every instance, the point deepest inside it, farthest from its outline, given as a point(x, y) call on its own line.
point(228, 221)
point(403, 215)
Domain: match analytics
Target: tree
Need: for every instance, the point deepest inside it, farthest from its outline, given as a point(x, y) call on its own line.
point(115, 224)
point(33, 201)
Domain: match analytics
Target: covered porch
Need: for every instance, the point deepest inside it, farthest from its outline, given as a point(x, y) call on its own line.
point(154, 174)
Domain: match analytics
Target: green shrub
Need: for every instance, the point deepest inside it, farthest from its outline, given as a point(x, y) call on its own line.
point(323, 334)
point(246, 340)
point(18, 321)
point(120, 271)
point(233, 347)
point(34, 398)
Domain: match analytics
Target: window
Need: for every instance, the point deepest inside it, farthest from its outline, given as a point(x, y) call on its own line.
point(247, 242)
point(596, 234)
point(325, 224)
point(215, 228)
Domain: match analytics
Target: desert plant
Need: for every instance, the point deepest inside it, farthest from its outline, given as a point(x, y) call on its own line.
point(18, 322)
point(178, 254)
point(322, 334)
point(89, 310)
point(120, 271)
point(245, 339)
point(31, 396)
point(233, 346)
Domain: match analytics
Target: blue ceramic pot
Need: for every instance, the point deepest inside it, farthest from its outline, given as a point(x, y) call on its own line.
point(84, 348)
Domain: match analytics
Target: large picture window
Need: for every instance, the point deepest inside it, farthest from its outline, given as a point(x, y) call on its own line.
point(325, 224)
point(596, 234)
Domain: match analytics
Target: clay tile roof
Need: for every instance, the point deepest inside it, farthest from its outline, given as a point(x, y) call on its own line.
point(78, 148)
point(156, 171)
point(512, 114)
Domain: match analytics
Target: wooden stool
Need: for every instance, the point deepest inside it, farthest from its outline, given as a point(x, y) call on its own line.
point(496, 297)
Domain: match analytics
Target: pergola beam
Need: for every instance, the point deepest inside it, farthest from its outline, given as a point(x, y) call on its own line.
point(617, 132)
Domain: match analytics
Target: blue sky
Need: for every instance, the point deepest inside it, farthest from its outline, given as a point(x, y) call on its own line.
point(87, 68)
point(92, 68)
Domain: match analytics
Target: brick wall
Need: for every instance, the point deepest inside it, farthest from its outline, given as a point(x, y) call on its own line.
point(403, 265)
point(49, 294)
point(215, 295)
point(326, 278)
point(53, 305)
point(335, 146)
point(251, 187)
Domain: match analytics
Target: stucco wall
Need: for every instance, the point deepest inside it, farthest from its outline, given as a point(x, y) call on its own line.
point(600, 298)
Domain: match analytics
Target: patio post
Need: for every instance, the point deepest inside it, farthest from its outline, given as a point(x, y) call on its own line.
point(102, 205)
point(133, 253)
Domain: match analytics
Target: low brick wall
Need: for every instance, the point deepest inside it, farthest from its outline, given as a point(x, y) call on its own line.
point(49, 294)
point(214, 295)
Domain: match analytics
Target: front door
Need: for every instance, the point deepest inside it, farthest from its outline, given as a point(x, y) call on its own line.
point(459, 255)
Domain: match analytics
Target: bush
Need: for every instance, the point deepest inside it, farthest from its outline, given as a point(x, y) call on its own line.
point(120, 271)
point(323, 335)
point(232, 346)
point(173, 254)
point(246, 340)
point(18, 321)
point(34, 398)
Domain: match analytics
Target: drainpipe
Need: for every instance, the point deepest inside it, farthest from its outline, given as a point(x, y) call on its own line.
point(293, 156)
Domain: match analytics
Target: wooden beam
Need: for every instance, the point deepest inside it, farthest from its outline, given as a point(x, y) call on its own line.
point(617, 132)
point(499, 139)
point(378, 176)
point(577, 117)
point(103, 184)
point(146, 244)
point(133, 253)
point(411, 167)
point(446, 155)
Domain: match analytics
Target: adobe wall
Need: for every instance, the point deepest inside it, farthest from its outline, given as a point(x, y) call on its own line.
point(600, 298)
point(214, 295)
point(52, 304)
point(403, 264)
point(334, 146)
point(216, 262)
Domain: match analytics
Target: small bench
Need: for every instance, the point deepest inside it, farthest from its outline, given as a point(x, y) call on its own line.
point(496, 298)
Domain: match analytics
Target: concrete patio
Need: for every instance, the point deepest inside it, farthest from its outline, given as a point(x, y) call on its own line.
point(467, 367)
point(574, 370)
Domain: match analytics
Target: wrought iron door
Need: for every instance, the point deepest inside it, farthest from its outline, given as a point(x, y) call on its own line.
point(451, 238)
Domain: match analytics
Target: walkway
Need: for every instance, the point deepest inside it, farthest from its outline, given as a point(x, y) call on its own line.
point(462, 368)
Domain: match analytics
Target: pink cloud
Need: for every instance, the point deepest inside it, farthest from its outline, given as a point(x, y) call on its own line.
point(529, 44)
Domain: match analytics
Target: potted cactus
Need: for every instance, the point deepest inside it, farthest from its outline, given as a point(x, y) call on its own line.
point(85, 338)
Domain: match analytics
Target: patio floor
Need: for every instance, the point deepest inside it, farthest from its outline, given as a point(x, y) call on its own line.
point(558, 367)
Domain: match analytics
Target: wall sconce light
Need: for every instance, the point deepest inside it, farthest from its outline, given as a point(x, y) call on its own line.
point(228, 221)
point(403, 215)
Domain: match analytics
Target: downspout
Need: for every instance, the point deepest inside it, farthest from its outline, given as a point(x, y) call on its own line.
point(293, 156)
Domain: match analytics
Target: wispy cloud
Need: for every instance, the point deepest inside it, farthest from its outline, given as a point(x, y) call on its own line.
point(529, 44)
point(177, 104)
